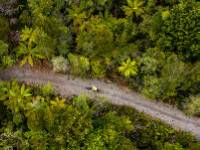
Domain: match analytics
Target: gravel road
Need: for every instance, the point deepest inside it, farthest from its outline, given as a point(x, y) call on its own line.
point(66, 86)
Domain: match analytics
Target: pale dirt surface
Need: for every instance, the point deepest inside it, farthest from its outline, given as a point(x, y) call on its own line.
point(66, 86)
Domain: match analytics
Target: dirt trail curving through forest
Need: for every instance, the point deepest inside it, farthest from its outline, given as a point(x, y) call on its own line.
point(66, 86)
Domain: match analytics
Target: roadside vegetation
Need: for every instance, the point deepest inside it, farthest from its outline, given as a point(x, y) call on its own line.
point(37, 118)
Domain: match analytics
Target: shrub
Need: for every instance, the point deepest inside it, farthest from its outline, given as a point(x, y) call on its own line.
point(151, 61)
point(180, 33)
point(47, 89)
point(169, 146)
point(4, 28)
point(165, 85)
point(45, 14)
point(195, 146)
point(79, 65)
point(193, 78)
point(60, 64)
point(195, 72)
point(173, 74)
point(98, 69)
point(193, 107)
point(95, 38)
point(3, 48)
point(152, 87)
point(40, 11)
point(34, 44)
point(7, 61)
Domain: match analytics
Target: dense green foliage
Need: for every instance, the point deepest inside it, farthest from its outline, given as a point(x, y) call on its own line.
point(154, 45)
point(60, 64)
point(193, 108)
point(36, 118)
point(34, 44)
point(180, 30)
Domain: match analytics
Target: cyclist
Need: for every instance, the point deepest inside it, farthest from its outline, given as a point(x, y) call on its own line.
point(93, 88)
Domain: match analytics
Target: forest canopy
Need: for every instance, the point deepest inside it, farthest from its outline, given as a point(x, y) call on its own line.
point(34, 118)
point(152, 45)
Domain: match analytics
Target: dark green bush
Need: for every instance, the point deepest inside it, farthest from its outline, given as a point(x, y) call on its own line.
point(79, 65)
point(95, 38)
point(180, 32)
point(37, 122)
point(4, 28)
point(34, 121)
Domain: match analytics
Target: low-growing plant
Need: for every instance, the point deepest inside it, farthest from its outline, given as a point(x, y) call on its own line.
point(95, 38)
point(47, 89)
point(98, 69)
point(60, 64)
point(169, 146)
point(193, 106)
point(3, 48)
point(4, 28)
point(34, 44)
point(7, 61)
point(165, 84)
point(79, 65)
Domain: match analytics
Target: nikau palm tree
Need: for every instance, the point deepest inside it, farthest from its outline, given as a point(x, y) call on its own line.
point(134, 6)
point(33, 45)
point(128, 68)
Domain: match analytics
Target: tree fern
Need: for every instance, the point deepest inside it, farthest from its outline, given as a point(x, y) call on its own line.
point(128, 68)
point(134, 6)
point(34, 45)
